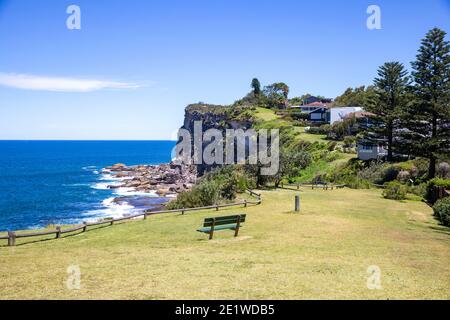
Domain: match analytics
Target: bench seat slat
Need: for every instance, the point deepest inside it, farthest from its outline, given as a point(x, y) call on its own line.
point(221, 227)
point(223, 220)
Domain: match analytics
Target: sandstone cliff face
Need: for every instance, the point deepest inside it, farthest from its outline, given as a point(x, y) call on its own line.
point(213, 117)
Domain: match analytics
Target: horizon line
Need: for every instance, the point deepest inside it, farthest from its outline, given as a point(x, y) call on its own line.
point(131, 140)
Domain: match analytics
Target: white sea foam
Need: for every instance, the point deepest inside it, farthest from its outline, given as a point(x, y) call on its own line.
point(104, 185)
point(111, 210)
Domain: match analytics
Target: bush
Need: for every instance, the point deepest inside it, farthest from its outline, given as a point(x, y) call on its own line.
point(395, 191)
point(419, 190)
point(403, 176)
point(349, 141)
point(219, 185)
point(331, 145)
point(442, 210)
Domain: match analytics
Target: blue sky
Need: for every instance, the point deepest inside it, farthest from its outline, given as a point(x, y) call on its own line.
point(135, 64)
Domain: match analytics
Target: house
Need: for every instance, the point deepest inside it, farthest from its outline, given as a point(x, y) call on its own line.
point(339, 114)
point(310, 107)
point(318, 115)
point(371, 150)
point(313, 99)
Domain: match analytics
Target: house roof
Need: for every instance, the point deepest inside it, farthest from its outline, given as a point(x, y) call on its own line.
point(359, 115)
point(318, 104)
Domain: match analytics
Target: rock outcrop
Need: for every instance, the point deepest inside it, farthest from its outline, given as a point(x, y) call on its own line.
point(164, 179)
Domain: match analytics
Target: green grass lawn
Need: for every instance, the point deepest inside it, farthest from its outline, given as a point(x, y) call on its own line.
point(266, 114)
point(323, 253)
point(310, 137)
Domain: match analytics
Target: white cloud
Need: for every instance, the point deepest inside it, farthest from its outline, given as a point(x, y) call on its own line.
point(60, 84)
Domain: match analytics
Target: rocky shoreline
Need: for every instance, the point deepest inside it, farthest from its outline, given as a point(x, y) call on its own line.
point(164, 180)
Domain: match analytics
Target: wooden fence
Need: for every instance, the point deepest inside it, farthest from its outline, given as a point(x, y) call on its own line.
point(313, 186)
point(13, 235)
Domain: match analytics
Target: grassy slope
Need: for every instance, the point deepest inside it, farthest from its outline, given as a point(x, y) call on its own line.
point(323, 252)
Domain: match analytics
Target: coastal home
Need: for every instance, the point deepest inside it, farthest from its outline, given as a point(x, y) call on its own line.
point(313, 99)
point(339, 114)
point(308, 108)
point(318, 115)
point(371, 150)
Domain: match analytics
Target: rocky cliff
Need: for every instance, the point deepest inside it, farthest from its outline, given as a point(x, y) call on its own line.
point(215, 117)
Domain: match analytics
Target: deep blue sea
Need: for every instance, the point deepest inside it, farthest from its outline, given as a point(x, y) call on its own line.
point(60, 182)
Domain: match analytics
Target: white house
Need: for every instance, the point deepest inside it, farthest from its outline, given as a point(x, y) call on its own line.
point(338, 114)
point(371, 150)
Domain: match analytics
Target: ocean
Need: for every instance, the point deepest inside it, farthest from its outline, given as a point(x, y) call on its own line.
point(60, 182)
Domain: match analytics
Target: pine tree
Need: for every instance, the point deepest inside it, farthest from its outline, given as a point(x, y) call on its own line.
point(389, 100)
point(256, 85)
point(428, 119)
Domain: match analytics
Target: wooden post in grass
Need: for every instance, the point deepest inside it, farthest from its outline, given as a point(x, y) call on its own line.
point(58, 232)
point(84, 226)
point(211, 232)
point(217, 207)
point(11, 238)
point(145, 216)
point(297, 203)
point(182, 211)
point(238, 225)
point(245, 203)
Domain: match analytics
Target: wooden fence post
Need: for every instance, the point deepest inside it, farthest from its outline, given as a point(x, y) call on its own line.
point(297, 203)
point(245, 203)
point(11, 238)
point(217, 207)
point(182, 211)
point(84, 226)
point(145, 216)
point(58, 232)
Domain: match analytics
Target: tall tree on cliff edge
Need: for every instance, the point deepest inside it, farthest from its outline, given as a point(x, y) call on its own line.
point(256, 85)
point(428, 119)
point(389, 100)
point(277, 95)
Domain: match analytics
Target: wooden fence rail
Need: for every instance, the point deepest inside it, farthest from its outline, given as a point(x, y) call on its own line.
point(13, 235)
point(313, 186)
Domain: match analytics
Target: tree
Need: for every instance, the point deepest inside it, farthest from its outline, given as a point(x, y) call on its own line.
point(429, 115)
point(277, 95)
point(360, 96)
point(291, 164)
point(390, 99)
point(256, 85)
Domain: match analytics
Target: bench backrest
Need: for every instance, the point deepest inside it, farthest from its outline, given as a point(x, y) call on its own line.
point(224, 220)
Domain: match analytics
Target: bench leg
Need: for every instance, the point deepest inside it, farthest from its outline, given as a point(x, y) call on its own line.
point(211, 234)
point(236, 232)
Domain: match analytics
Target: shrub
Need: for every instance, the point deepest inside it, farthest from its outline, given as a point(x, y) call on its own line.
point(403, 176)
point(389, 174)
point(221, 184)
point(419, 190)
point(349, 141)
point(331, 145)
point(442, 210)
point(395, 191)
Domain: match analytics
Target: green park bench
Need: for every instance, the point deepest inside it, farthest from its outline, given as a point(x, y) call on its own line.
point(222, 223)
